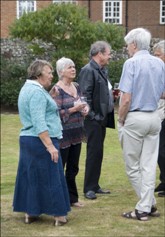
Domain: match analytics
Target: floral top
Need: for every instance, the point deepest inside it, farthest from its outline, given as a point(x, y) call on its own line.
point(73, 124)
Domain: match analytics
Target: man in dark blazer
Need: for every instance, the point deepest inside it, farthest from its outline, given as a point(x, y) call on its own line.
point(94, 84)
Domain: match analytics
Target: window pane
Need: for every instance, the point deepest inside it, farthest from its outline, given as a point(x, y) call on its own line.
point(25, 6)
point(162, 12)
point(112, 11)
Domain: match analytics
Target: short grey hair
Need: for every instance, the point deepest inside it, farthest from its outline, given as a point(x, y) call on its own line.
point(160, 45)
point(140, 36)
point(36, 68)
point(61, 64)
point(98, 46)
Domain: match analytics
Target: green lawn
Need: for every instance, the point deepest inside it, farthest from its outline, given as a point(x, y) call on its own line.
point(100, 217)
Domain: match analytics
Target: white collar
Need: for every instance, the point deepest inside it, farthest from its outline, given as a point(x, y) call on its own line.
point(34, 82)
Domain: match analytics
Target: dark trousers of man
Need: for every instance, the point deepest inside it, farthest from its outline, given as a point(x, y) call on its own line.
point(70, 158)
point(161, 156)
point(95, 142)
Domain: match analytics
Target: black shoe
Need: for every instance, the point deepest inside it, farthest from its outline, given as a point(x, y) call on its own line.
point(101, 191)
point(161, 194)
point(90, 195)
point(154, 212)
point(29, 219)
point(160, 187)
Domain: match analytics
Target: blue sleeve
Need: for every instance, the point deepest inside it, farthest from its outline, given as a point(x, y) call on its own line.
point(37, 108)
point(127, 77)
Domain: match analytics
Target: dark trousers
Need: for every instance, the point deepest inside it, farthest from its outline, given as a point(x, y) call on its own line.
point(70, 159)
point(95, 141)
point(161, 156)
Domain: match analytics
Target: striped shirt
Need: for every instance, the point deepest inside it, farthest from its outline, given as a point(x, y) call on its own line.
point(73, 124)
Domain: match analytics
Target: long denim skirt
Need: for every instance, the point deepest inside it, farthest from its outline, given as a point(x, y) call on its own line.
point(40, 186)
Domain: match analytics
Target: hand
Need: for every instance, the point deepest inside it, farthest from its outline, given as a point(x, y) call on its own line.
point(54, 91)
point(79, 105)
point(121, 122)
point(85, 110)
point(116, 94)
point(53, 152)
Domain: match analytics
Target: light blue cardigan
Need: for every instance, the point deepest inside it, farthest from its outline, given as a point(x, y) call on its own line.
point(38, 111)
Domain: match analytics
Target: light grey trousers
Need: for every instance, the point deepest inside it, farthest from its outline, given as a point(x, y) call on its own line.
point(139, 138)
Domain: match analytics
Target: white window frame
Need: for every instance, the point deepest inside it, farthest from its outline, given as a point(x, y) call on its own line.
point(64, 1)
point(26, 7)
point(162, 11)
point(111, 18)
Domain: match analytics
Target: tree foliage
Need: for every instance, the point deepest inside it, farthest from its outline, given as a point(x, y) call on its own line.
point(68, 29)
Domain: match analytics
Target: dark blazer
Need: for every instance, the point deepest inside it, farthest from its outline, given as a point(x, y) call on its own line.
point(93, 84)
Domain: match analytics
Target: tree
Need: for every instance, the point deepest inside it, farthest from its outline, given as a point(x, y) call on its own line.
point(68, 29)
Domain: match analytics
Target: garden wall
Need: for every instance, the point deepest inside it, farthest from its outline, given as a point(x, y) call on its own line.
point(19, 51)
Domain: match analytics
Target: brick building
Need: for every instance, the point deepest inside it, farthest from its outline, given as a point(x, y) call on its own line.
point(128, 13)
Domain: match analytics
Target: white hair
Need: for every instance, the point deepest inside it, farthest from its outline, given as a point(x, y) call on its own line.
point(160, 45)
point(61, 64)
point(140, 36)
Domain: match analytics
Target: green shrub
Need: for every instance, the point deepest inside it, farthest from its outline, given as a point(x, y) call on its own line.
point(68, 28)
point(13, 77)
point(115, 70)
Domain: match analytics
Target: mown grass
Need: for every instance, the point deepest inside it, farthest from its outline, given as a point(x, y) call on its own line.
point(100, 217)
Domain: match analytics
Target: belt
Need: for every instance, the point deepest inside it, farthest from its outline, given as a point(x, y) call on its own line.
point(137, 110)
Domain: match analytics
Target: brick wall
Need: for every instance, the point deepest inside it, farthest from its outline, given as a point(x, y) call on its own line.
point(140, 14)
point(8, 15)
point(96, 12)
point(145, 14)
point(42, 4)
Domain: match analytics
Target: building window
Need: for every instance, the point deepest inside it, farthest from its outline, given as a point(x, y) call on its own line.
point(25, 6)
point(162, 12)
point(112, 11)
point(64, 1)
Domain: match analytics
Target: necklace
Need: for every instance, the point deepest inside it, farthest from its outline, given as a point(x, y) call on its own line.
point(69, 88)
point(66, 84)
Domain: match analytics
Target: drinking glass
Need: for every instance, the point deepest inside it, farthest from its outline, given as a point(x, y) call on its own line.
point(83, 99)
point(116, 90)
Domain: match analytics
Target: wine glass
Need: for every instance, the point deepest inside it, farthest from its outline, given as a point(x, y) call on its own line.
point(83, 99)
point(116, 90)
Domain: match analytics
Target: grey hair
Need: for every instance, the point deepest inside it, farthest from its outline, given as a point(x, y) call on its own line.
point(140, 36)
point(160, 45)
point(98, 46)
point(61, 64)
point(36, 68)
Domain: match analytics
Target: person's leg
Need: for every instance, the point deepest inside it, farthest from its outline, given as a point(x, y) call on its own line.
point(95, 139)
point(138, 135)
point(72, 168)
point(161, 159)
point(64, 156)
point(132, 145)
point(148, 163)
